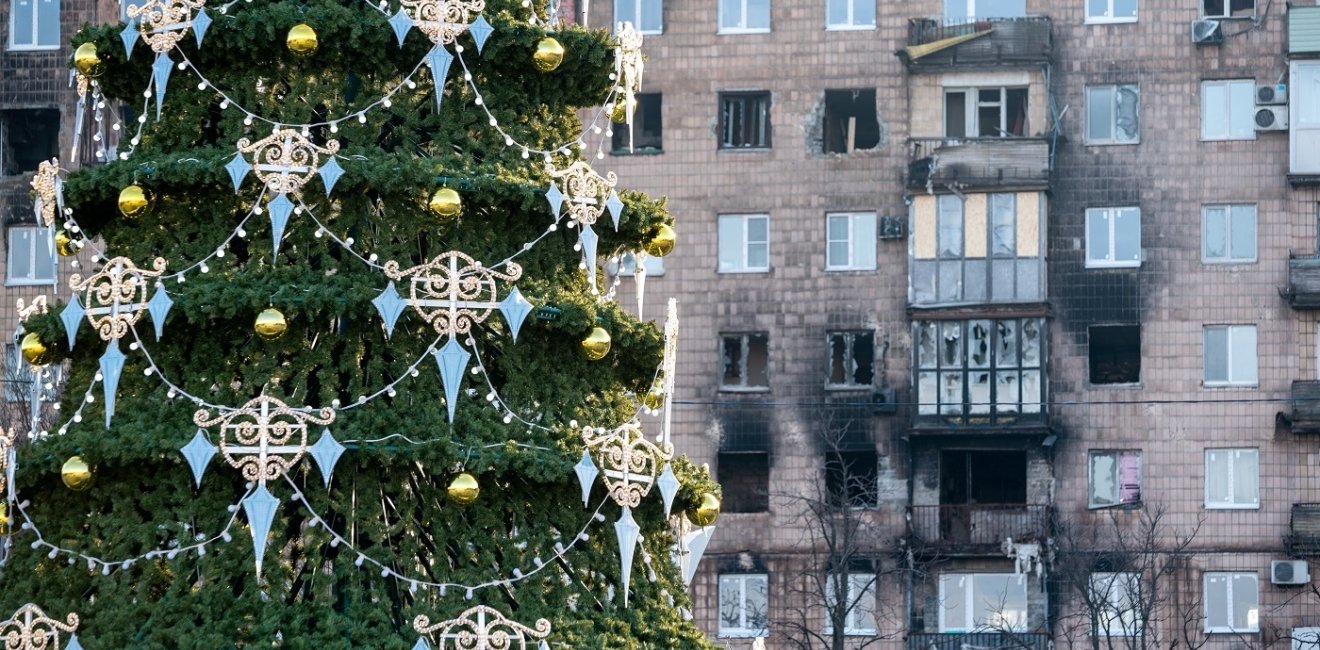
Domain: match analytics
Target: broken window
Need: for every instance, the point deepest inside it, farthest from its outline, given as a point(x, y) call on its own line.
point(745, 480)
point(746, 360)
point(1115, 478)
point(28, 137)
point(1115, 354)
point(979, 367)
point(851, 478)
point(745, 120)
point(1003, 225)
point(647, 129)
point(1228, 8)
point(850, 120)
point(852, 359)
point(31, 258)
point(1112, 115)
point(985, 112)
point(949, 230)
point(983, 477)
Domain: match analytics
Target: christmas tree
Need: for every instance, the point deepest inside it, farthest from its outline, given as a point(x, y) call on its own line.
point(341, 371)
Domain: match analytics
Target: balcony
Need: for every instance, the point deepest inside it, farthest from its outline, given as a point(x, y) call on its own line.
point(1303, 290)
point(976, 529)
point(1304, 529)
point(971, 164)
point(936, 46)
point(1303, 31)
point(979, 641)
point(1304, 407)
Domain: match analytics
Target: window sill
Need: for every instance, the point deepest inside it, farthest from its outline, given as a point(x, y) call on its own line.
point(29, 283)
point(1232, 18)
point(1251, 386)
point(751, 634)
point(741, 271)
point(644, 151)
point(1113, 265)
point(1250, 139)
point(34, 48)
point(734, 31)
point(744, 389)
point(759, 149)
point(1109, 143)
point(848, 269)
point(849, 388)
point(850, 28)
point(1127, 385)
point(1229, 630)
point(1229, 262)
point(1220, 506)
point(1109, 21)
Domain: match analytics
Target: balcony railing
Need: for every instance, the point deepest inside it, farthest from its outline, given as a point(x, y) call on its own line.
point(980, 527)
point(979, 641)
point(1303, 290)
point(1017, 163)
point(934, 44)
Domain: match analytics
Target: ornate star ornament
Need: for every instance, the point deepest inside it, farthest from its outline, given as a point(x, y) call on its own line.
point(116, 296)
point(482, 628)
point(630, 462)
point(30, 629)
point(165, 22)
point(442, 20)
point(453, 291)
point(585, 191)
point(286, 159)
point(264, 438)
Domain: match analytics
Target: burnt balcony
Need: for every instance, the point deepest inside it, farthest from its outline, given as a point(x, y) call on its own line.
point(970, 164)
point(934, 45)
point(1304, 407)
point(976, 529)
point(1304, 529)
point(979, 641)
point(1303, 290)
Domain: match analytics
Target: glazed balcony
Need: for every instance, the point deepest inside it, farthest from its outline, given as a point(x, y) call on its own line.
point(934, 45)
point(978, 164)
point(975, 529)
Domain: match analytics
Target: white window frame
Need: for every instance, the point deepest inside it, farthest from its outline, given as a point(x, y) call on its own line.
point(1229, 85)
point(857, 241)
point(36, 44)
point(1234, 454)
point(861, 590)
point(1233, 365)
point(31, 276)
point(742, 630)
point(1230, 256)
point(1117, 477)
point(743, 264)
point(1200, 10)
point(852, 23)
point(969, 595)
point(971, 11)
point(1231, 577)
point(1108, 616)
point(1114, 137)
point(740, 24)
point(972, 110)
point(1109, 18)
point(1111, 219)
point(637, 14)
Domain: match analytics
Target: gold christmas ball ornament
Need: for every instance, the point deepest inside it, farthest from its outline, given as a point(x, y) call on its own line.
point(64, 244)
point(596, 345)
point(662, 243)
point(464, 489)
point(35, 351)
point(270, 324)
point(86, 61)
point(301, 39)
point(446, 202)
point(619, 112)
point(654, 399)
point(549, 54)
point(706, 512)
point(77, 474)
point(4, 518)
point(133, 200)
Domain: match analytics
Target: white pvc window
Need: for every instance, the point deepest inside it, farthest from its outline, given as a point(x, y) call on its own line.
point(1111, 11)
point(850, 242)
point(1113, 237)
point(744, 16)
point(1228, 110)
point(34, 24)
point(860, 601)
point(1228, 234)
point(1232, 602)
point(1230, 355)
point(1113, 114)
point(744, 243)
point(31, 256)
point(850, 14)
point(1114, 603)
point(744, 605)
point(1232, 478)
point(983, 601)
point(646, 16)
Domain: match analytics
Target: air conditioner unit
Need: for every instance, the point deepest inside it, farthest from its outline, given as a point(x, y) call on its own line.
point(1289, 572)
point(1272, 118)
point(1271, 95)
point(1207, 32)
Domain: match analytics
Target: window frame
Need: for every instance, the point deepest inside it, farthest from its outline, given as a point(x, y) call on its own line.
point(745, 353)
point(969, 596)
point(971, 13)
point(1118, 455)
point(637, 13)
point(32, 277)
point(1229, 381)
point(1231, 576)
point(1200, 11)
point(1229, 85)
point(966, 369)
point(621, 142)
point(759, 100)
point(857, 580)
point(856, 246)
point(1113, 139)
point(972, 104)
point(1108, 18)
point(35, 45)
point(1111, 216)
point(723, 8)
point(1228, 209)
point(745, 243)
point(742, 631)
point(1235, 453)
point(849, 359)
point(1109, 609)
point(852, 24)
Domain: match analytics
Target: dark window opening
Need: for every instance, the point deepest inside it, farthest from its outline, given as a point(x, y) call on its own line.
point(983, 477)
point(851, 478)
point(850, 121)
point(745, 120)
point(27, 138)
point(852, 358)
point(746, 360)
point(745, 479)
point(1228, 8)
point(1115, 354)
point(955, 114)
point(647, 128)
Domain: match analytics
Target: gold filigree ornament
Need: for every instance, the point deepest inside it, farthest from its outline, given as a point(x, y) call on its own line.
point(453, 291)
point(46, 186)
point(585, 191)
point(116, 296)
point(285, 160)
point(264, 438)
point(482, 628)
point(442, 20)
point(630, 463)
point(164, 22)
point(30, 629)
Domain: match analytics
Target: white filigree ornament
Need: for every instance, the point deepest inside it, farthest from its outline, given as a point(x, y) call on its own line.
point(629, 462)
point(165, 22)
point(453, 291)
point(264, 438)
point(442, 20)
point(286, 159)
point(116, 296)
point(31, 629)
point(585, 191)
point(482, 628)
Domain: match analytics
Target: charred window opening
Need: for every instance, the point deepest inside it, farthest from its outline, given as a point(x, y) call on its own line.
point(852, 358)
point(647, 129)
point(970, 477)
point(1115, 478)
point(850, 120)
point(1115, 354)
point(28, 137)
point(1228, 8)
point(745, 479)
point(745, 120)
point(980, 367)
point(746, 360)
point(985, 112)
point(851, 478)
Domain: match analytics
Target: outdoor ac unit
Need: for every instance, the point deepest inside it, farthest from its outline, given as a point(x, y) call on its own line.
point(1271, 95)
point(1207, 32)
point(1289, 572)
point(1272, 118)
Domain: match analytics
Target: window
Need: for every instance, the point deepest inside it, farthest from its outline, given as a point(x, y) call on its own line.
point(34, 25)
point(1232, 478)
point(985, 112)
point(850, 244)
point(1232, 602)
point(966, 10)
point(980, 248)
point(1113, 114)
point(31, 256)
point(744, 605)
point(1113, 237)
point(1111, 11)
point(1228, 8)
point(851, 478)
point(983, 601)
point(1230, 355)
point(746, 360)
point(744, 243)
point(1115, 354)
point(28, 137)
point(849, 14)
point(1228, 110)
point(859, 603)
point(628, 265)
point(647, 129)
point(852, 359)
point(982, 477)
point(850, 121)
point(745, 480)
point(745, 120)
point(1228, 233)
point(744, 16)
point(1115, 478)
point(646, 16)
point(980, 367)
point(949, 232)
point(1114, 601)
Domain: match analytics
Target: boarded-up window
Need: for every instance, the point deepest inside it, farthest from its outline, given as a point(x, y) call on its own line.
point(1115, 477)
